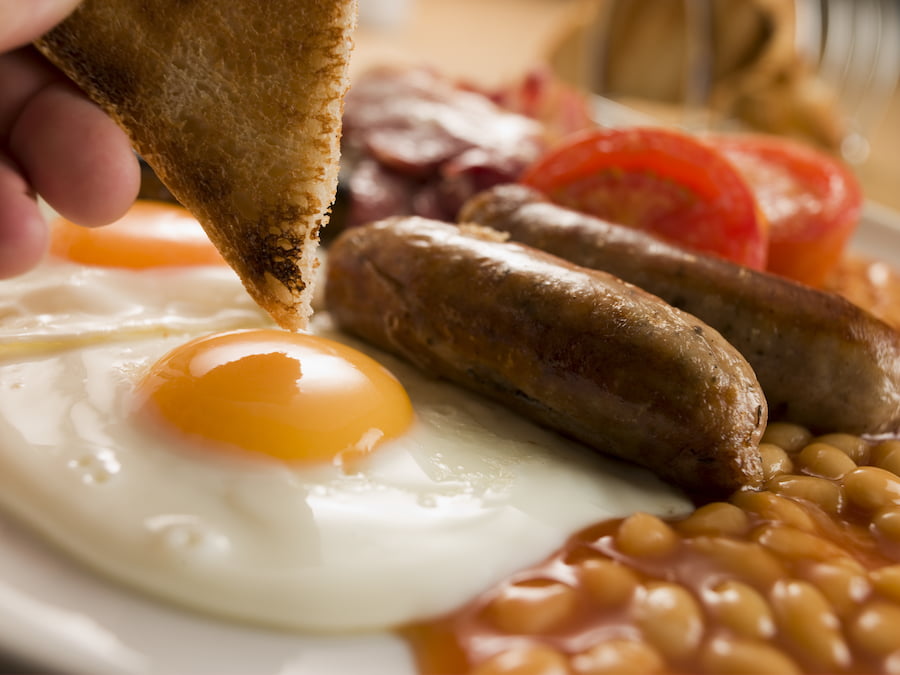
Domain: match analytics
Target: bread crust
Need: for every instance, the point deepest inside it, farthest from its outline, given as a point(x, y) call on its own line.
point(237, 106)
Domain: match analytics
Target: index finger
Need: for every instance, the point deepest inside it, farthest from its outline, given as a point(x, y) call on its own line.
point(22, 21)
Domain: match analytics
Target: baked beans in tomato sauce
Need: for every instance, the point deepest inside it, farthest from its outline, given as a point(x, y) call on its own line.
point(870, 283)
point(800, 576)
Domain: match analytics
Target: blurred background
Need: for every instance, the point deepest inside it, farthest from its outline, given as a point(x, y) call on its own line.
point(827, 71)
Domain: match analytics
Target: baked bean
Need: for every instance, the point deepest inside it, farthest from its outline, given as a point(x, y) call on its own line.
point(872, 488)
point(808, 623)
point(887, 522)
point(716, 518)
point(854, 447)
point(618, 657)
point(789, 437)
point(740, 608)
point(793, 544)
point(746, 561)
point(892, 664)
point(645, 536)
point(774, 460)
point(886, 455)
point(609, 583)
point(670, 619)
point(843, 583)
point(773, 507)
point(532, 607)
point(876, 629)
point(825, 461)
point(822, 492)
point(887, 581)
point(724, 656)
point(526, 660)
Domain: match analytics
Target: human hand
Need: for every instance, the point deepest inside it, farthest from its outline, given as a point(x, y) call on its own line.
point(53, 142)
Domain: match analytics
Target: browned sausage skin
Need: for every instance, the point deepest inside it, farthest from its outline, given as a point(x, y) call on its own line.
point(823, 362)
point(574, 349)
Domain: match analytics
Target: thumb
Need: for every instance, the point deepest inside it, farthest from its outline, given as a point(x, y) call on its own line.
point(22, 21)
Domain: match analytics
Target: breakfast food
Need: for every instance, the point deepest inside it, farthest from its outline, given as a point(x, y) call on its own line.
point(802, 576)
point(811, 201)
point(322, 546)
point(577, 350)
point(868, 281)
point(756, 200)
point(151, 234)
point(231, 472)
point(155, 425)
point(154, 272)
point(790, 334)
point(417, 143)
point(661, 180)
point(237, 106)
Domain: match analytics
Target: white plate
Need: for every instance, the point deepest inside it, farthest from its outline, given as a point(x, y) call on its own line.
point(56, 615)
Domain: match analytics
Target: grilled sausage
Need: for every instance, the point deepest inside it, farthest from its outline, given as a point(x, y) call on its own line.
point(822, 361)
point(574, 349)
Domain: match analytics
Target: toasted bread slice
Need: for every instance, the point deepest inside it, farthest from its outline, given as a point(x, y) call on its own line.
point(237, 106)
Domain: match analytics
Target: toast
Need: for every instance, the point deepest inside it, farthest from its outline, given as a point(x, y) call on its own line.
point(237, 106)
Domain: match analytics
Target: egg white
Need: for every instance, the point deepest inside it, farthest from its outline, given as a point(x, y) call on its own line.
point(468, 496)
point(61, 304)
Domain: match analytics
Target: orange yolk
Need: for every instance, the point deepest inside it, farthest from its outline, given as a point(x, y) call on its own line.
point(296, 397)
point(151, 234)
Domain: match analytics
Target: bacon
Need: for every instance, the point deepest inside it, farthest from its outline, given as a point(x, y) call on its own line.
point(417, 143)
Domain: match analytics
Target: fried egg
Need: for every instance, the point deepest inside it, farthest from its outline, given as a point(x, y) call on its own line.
point(302, 481)
point(152, 272)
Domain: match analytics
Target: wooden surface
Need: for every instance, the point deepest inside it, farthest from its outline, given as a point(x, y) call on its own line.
point(494, 41)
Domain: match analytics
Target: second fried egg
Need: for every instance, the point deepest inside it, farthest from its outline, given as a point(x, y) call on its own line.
point(153, 272)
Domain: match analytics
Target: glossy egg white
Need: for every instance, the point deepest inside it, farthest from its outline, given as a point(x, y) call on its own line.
point(62, 303)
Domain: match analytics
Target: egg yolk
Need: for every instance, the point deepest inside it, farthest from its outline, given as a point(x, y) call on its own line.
point(151, 234)
point(296, 397)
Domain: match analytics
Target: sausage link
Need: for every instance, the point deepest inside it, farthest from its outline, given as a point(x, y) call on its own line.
point(822, 362)
point(574, 349)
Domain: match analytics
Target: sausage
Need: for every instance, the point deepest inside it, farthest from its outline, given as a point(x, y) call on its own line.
point(576, 350)
point(822, 362)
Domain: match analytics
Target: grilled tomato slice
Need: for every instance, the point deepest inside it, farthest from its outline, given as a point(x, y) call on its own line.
point(811, 200)
point(664, 181)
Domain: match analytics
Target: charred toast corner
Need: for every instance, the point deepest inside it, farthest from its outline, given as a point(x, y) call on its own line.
point(237, 106)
